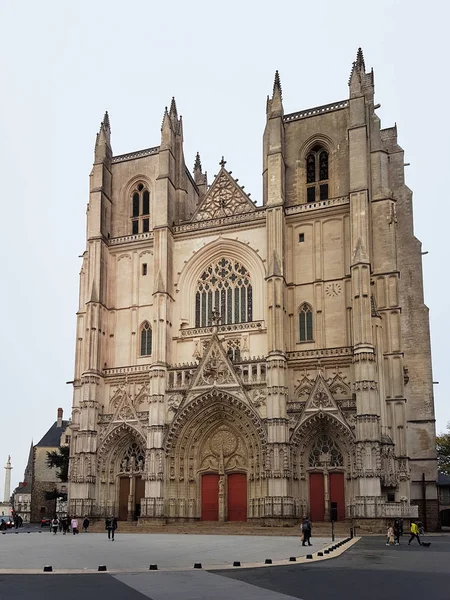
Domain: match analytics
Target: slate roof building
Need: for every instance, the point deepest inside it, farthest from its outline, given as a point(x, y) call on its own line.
point(30, 496)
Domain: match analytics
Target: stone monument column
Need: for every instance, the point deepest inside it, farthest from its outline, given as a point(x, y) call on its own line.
point(7, 493)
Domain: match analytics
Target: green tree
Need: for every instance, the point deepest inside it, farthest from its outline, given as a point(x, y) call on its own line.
point(59, 459)
point(443, 451)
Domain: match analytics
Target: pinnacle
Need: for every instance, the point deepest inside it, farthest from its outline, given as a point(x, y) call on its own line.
point(360, 60)
point(105, 121)
point(277, 84)
point(197, 164)
point(173, 107)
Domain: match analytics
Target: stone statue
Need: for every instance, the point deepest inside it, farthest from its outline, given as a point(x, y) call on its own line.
point(124, 464)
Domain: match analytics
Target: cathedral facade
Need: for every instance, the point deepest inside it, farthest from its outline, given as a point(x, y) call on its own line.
point(237, 361)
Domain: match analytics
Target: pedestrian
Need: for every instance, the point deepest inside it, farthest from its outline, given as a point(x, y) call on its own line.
point(64, 525)
point(55, 525)
point(390, 536)
point(85, 525)
point(396, 532)
point(306, 531)
point(111, 526)
point(74, 525)
point(414, 533)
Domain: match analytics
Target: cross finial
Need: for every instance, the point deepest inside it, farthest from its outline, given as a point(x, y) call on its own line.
point(223, 162)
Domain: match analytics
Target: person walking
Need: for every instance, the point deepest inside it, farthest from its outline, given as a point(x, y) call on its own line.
point(74, 525)
point(306, 531)
point(64, 525)
point(414, 533)
point(55, 525)
point(111, 526)
point(396, 532)
point(390, 536)
point(85, 525)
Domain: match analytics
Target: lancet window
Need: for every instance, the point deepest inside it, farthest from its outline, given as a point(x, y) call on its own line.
point(225, 288)
point(146, 339)
point(140, 210)
point(317, 175)
point(305, 319)
point(325, 452)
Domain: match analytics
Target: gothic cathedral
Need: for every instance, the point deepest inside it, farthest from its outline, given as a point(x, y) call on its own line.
point(246, 362)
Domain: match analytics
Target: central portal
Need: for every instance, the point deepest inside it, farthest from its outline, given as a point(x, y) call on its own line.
point(218, 499)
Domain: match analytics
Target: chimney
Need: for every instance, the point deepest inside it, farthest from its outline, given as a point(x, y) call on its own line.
point(60, 416)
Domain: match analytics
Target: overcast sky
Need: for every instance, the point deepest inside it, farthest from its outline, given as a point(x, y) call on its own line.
point(63, 64)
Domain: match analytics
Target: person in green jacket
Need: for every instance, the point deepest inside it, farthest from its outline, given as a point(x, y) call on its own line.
point(414, 533)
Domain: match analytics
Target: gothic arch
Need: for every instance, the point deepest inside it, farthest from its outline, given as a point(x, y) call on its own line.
point(129, 185)
point(215, 250)
point(118, 438)
point(222, 405)
point(316, 139)
point(307, 431)
point(327, 144)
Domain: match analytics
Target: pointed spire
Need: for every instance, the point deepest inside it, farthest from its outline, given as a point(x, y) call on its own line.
point(103, 140)
point(166, 122)
point(360, 61)
point(274, 106)
point(277, 85)
point(197, 164)
point(173, 108)
point(105, 122)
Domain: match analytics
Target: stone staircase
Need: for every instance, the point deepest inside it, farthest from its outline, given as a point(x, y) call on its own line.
point(341, 528)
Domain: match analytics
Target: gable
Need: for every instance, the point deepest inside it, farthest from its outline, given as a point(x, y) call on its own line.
point(223, 199)
point(215, 369)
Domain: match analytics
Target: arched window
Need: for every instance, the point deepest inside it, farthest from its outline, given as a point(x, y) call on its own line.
point(146, 339)
point(224, 287)
point(325, 451)
point(140, 210)
point(317, 175)
point(305, 322)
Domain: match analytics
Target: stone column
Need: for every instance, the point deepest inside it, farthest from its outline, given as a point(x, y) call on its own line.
point(8, 468)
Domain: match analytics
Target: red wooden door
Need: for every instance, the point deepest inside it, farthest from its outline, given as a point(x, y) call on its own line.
point(210, 497)
point(237, 497)
point(337, 493)
point(316, 497)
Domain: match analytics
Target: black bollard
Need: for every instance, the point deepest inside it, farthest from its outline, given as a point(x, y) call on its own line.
point(320, 554)
point(153, 568)
point(101, 568)
point(326, 552)
point(236, 563)
point(309, 556)
point(197, 565)
point(292, 559)
point(48, 569)
point(268, 561)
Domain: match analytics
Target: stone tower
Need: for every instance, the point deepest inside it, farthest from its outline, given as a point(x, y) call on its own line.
point(237, 361)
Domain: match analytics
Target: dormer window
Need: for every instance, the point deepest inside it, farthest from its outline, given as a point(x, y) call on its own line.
point(317, 175)
point(140, 210)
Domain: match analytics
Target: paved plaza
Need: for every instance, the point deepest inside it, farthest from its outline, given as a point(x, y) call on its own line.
point(368, 570)
point(137, 551)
